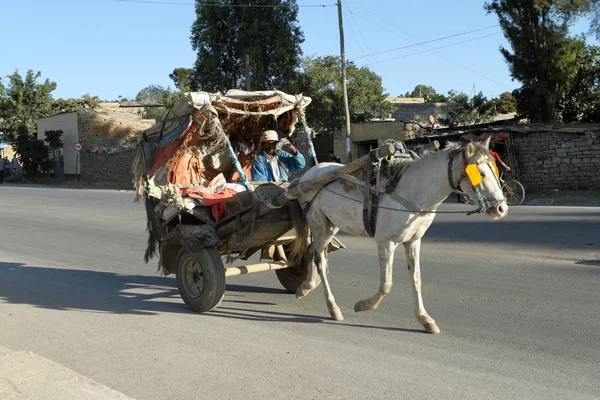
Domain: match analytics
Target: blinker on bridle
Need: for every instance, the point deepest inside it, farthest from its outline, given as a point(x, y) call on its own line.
point(471, 171)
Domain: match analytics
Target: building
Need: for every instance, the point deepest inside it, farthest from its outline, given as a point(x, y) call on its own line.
point(541, 156)
point(107, 138)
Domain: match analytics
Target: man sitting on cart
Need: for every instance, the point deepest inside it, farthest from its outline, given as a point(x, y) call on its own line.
point(271, 164)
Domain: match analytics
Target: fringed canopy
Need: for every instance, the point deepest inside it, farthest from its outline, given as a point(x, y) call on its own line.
point(205, 134)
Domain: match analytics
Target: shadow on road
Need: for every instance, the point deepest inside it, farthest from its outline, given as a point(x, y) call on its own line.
point(576, 235)
point(107, 292)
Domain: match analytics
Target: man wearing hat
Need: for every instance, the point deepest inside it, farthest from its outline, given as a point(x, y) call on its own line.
point(272, 165)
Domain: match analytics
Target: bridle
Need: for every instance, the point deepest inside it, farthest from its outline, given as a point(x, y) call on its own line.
point(482, 203)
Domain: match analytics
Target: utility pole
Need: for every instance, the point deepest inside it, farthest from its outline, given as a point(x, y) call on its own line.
point(247, 72)
point(344, 88)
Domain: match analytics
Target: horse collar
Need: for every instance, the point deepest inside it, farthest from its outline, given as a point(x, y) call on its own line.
point(455, 188)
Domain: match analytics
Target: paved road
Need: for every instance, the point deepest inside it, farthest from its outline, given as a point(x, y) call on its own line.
point(516, 300)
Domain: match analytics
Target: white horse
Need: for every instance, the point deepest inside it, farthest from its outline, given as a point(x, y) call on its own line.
point(423, 186)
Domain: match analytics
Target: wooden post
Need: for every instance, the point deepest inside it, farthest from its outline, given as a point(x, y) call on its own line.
point(344, 84)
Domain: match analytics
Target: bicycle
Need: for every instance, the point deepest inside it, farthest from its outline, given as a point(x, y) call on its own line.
point(513, 191)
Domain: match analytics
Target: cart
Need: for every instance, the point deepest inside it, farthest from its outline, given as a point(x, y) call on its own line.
point(191, 170)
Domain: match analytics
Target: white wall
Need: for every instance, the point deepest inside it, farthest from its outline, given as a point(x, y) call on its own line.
point(68, 124)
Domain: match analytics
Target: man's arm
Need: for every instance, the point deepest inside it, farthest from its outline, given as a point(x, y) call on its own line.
point(258, 170)
point(293, 162)
point(503, 164)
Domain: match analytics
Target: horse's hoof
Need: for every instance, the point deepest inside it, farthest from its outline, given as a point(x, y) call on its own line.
point(431, 327)
point(336, 314)
point(360, 306)
point(301, 292)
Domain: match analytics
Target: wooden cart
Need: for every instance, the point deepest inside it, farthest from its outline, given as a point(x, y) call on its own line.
point(202, 132)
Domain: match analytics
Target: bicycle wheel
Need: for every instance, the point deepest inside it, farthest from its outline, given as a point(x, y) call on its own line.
point(514, 192)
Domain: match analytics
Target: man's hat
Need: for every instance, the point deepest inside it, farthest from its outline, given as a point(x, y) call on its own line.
point(269, 136)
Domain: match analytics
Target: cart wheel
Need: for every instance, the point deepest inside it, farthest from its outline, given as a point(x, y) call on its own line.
point(291, 278)
point(201, 278)
point(514, 192)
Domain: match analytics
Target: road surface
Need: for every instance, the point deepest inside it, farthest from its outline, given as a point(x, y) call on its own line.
point(516, 300)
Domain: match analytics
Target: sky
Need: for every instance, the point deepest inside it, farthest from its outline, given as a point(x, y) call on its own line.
point(110, 48)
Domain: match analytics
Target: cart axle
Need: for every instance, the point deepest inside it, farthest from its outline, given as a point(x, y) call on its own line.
point(250, 269)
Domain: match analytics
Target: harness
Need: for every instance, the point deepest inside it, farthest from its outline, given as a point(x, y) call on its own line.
point(373, 195)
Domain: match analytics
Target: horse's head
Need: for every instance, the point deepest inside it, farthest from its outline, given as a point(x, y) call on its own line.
point(480, 180)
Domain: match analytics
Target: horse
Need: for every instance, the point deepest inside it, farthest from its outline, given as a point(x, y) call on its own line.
point(405, 212)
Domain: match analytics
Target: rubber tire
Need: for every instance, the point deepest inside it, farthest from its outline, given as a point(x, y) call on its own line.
point(291, 278)
point(519, 188)
point(213, 270)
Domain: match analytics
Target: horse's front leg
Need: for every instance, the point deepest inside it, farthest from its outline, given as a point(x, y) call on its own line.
point(413, 250)
point(386, 262)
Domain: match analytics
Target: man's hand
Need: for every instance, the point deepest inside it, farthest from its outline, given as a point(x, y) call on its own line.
point(286, 142)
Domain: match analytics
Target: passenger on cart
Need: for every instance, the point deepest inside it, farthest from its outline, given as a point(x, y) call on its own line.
point(272, 164)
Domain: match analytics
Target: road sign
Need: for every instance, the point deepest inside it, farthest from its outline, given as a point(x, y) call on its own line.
point(77, 146)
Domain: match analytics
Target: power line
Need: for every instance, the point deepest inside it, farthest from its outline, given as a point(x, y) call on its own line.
point(227, 5)
point(435, 48)
point(425, 42)
point(361, 35)
point(445, 57)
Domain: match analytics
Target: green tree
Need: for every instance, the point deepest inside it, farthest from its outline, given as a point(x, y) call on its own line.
point(476, 110)
point(54, 138)
point(582, 101)
point(86, 102)
point(428, 93)
point(182, 78)
point(320, 79)
point(157, 94)
point(543, 57)
point(222, 37)
point(506, 103)
point(33, 152)
point(23, 101)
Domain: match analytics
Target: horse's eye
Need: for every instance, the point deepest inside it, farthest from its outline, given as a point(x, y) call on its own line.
point(482, 175)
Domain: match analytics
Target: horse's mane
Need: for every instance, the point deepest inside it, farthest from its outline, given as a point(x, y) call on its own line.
point(481, 149)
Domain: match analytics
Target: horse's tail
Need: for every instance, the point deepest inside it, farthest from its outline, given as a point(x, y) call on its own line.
point(300, 244)
point(152, 229)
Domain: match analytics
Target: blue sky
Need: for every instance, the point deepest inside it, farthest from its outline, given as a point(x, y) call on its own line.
point(109, 48)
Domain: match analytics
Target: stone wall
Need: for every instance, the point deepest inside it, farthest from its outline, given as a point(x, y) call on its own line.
point(421, 112)
point(558, 160)
point(109, 143)
point(108, 170)
point(106, 130)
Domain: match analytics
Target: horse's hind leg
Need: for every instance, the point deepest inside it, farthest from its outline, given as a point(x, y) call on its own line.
point(310, 282)
point(413, 250)
point(386, 261)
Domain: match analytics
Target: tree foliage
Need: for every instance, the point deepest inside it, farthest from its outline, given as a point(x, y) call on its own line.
point(223, 36)
point(543, 57)
point(428, 93)
point(320, 79)
point(53, 138)
point(86, 102)
point(470, 111)
point(157, 94)
point(582, 101)
point(506, 103)
point(23, 101)
point(33, 152)
point(182, 79)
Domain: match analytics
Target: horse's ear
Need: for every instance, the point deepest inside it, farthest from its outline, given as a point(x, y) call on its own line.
point(487, 142)
point(470, 150)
